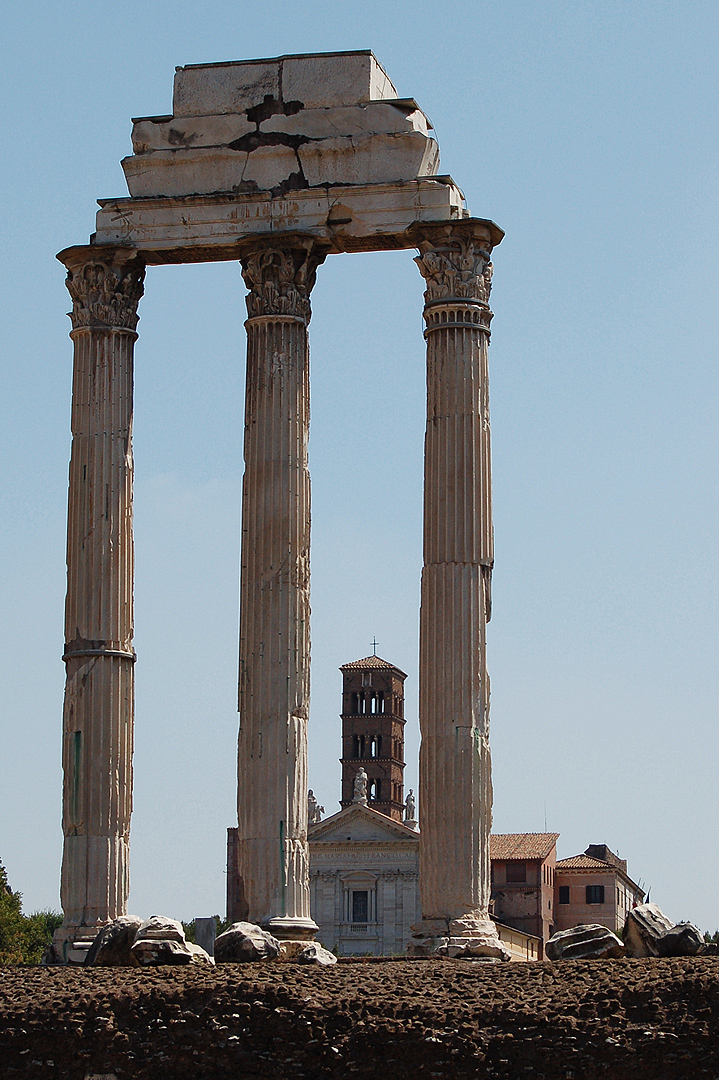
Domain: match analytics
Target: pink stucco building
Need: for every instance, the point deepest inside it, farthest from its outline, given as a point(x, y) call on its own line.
point(594, 887)
point(523, 875)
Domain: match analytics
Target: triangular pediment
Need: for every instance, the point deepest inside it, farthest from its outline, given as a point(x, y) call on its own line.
point(360, 824)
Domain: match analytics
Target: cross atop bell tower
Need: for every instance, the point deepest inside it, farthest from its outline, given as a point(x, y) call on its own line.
point(373, 733)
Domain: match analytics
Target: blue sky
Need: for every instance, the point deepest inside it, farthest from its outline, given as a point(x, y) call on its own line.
point(588, 132)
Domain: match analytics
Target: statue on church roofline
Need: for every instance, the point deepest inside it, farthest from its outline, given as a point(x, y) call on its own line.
point(314, 810)
point(360, 788)
point(410, 809)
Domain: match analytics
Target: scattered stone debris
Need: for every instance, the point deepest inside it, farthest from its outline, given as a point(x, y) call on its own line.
point(644, 926)
point(112, 947)
point(587, 942)
point(684, 939)
point(647, 932)
point(154, 951)
point(130, 942)
point(314, 953)
point(245, 942)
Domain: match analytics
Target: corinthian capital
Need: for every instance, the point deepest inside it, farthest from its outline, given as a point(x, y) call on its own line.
point(454, 262)
point(105, 291)
point(280, 280)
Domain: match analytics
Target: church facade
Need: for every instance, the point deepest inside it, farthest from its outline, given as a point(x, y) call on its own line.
point(364, 861)
point(364, 882)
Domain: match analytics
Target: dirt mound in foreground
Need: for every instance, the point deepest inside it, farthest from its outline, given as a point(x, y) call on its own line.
point(581, 1019)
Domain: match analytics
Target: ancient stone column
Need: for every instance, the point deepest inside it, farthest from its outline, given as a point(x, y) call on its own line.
point(274, 671)
point(455, 766)
point(105, 286)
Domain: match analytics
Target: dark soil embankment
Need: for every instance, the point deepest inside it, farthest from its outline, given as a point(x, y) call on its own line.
point(424, 1020)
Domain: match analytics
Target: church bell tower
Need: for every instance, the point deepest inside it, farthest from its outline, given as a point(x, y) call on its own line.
point(373, 733)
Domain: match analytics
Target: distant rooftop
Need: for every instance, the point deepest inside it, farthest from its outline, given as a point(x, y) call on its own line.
point(583, 862)
point(521, 845)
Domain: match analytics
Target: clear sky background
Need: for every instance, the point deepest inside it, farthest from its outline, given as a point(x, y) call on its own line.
point(588, 131)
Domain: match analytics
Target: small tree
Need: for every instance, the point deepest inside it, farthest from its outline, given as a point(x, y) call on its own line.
point(37, 934)
point(712, 939)
point(11, 922)
point(23, 938)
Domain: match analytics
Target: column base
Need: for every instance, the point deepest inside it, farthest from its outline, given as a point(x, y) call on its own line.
point(70, 944)
point(469, 937)
point(286, 928)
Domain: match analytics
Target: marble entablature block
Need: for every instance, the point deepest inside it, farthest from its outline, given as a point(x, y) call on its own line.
point(280, 125)
point(372, 217)
point(318, 80)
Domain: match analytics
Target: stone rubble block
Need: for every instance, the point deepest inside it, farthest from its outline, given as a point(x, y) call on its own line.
point(590, 941)
point(154, 952)
point(112, 946)
point(460, 948)
point(684, 939)
point(645, 924)
point(161, 927)
point(469, 937)
point(245, 942)
point(161, 940)
point(198, 955)
point(313, 953)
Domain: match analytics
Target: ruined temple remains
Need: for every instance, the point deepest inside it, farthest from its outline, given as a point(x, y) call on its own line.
point(278, 164)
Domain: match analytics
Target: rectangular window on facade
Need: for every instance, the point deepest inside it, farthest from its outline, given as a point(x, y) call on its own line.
point(360, 905)
point(563, 894)
point(595, 894)
point(516, 872)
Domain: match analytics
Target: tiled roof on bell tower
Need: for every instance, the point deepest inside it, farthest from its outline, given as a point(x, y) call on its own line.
point(372, 662)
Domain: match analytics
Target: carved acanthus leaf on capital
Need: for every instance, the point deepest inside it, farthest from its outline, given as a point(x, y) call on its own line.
point(105, 295)
point(280, 281)
point(455, 268)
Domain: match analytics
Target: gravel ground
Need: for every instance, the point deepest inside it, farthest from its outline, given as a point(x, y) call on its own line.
point(577, 1019)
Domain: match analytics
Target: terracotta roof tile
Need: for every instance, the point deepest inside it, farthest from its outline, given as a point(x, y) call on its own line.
point(371, 662)
point(584, 862)
point(522, 845)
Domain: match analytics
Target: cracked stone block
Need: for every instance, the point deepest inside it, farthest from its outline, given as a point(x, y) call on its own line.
point(224, 88)
point(375, 159)
point(316, 80)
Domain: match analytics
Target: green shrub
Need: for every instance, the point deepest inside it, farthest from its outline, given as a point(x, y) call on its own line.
point(11, 922)
point(23, 938)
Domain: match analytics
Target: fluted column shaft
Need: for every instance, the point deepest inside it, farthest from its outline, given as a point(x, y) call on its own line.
point(274, 671)
point(106, 287)
point(455, 764)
